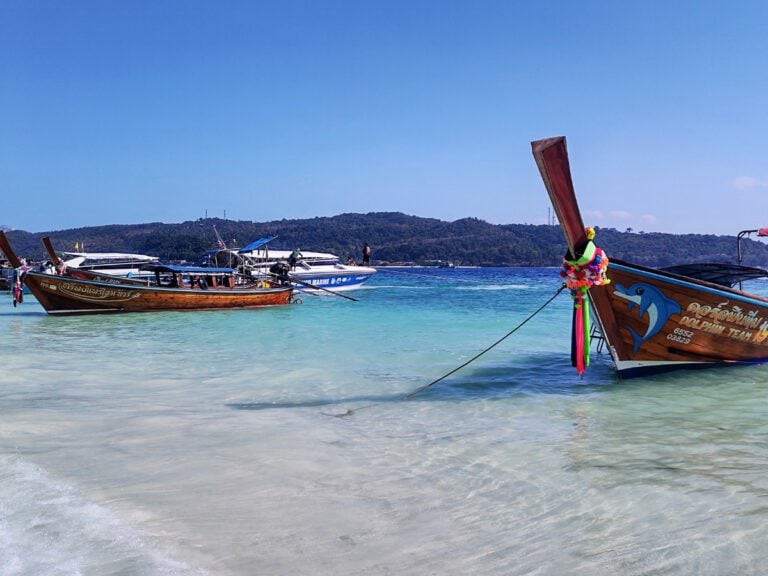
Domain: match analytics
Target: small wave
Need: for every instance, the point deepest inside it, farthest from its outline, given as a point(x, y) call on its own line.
point(396, 287)
point(47, 527)
point(492, 287)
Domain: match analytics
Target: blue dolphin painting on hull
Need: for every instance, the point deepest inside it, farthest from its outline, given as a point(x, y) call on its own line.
point(650, 300)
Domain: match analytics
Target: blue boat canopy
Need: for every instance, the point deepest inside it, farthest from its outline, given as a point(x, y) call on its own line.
point(256, 244)
point(186, 269)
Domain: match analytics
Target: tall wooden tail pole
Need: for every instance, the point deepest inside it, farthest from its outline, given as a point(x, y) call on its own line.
point(5, 246)
point(551, 155)
point(17, 289)
point(51, 252)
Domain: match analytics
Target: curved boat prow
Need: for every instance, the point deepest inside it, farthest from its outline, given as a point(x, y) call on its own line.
point(551, 156)
point(51, 252)
point(5, 246)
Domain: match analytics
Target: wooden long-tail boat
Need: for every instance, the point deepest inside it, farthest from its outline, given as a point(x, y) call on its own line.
point(658, 320)
point(62, 294)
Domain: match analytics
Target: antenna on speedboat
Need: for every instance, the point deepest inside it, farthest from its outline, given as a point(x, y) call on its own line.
point(740, 235)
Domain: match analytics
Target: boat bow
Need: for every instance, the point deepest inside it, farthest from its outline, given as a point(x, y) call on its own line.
point(551, 155)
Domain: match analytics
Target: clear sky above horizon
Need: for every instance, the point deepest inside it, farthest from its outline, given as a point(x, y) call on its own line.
point(124, 112)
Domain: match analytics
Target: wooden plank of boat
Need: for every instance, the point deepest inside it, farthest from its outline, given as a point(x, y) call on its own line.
point(67, 295)
point(653, 320)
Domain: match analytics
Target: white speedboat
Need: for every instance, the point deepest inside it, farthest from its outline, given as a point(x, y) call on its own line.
point(112, 263)
point(318, 269)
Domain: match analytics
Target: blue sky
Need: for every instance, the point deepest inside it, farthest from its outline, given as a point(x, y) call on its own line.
point(132, 111)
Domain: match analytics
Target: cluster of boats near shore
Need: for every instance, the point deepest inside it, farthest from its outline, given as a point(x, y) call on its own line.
point(248, 277)
point(650, 320)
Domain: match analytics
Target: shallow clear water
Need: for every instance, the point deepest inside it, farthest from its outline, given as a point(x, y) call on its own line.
point(277, 441)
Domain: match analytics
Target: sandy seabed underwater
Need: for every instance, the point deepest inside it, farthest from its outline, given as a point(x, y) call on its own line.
point(277, 442)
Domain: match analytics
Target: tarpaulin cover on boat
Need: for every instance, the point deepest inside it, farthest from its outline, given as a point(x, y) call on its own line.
point(256, 244)
point(722, 274)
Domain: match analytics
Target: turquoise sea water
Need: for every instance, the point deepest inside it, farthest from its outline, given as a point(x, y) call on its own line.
point(276, 442)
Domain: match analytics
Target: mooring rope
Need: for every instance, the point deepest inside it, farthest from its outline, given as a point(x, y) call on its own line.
point(468, 362)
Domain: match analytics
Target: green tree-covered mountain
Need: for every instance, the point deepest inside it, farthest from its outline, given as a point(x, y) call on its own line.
point(394, 237)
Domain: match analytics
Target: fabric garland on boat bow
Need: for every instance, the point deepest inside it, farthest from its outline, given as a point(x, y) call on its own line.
point(581, 272)
point(17, 288)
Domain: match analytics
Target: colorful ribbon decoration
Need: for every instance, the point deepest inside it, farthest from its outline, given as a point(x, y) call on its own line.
point(580, 274)
point(17, 289)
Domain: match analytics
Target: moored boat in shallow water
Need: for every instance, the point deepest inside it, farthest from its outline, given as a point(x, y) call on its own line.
point(63, 294)
point(658, 320)
point(314, 271)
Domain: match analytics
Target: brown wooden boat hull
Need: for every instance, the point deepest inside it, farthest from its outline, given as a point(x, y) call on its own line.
point(667, 322)
point(67, 295)
point(654, 321)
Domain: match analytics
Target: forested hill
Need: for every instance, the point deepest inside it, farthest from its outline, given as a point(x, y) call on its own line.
point(394, 237)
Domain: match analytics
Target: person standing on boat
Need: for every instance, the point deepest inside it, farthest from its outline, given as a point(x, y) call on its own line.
point(366, 254)
point(295, 256)
point(18, 282)
point(279, 271)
